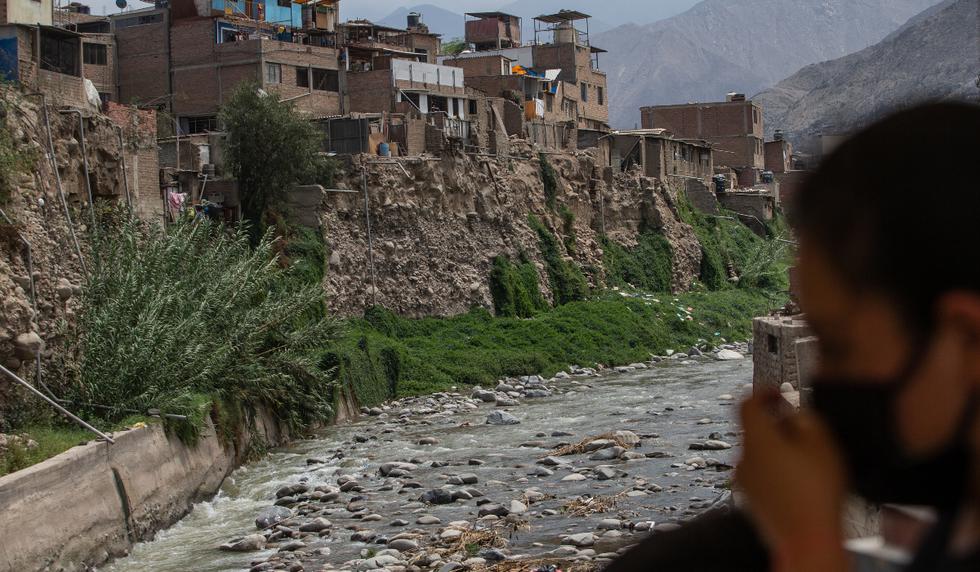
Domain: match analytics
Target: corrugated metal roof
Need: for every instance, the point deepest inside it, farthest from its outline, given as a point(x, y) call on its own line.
point(562, 16)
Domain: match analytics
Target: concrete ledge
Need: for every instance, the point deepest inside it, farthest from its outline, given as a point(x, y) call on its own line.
point(93, 502)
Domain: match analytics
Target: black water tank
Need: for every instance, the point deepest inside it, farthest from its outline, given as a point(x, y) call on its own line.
point(414, 19)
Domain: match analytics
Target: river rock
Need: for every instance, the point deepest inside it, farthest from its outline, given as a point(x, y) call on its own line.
point(709, 445)
point(725, 355)
point(484, 395)
point(464, 479)
point(316, 525)
point(517, 507)
point(272, 515)
point(387, 468)
point(363, 536)
point(247, 544)
point(607, 454)
point(291, 490)
point(574, 477)
point(552, 461)
point(437, 496)
point(498, 417)
point(427, 519)
point(494, 509)
point(428, 441)
point(605, 473)
point(292, 546)
point(403, 545)
point(533, 393)
point(491, 555)
point(541, 472)
point(507, 402)
point(786, 387)
point(581, 539)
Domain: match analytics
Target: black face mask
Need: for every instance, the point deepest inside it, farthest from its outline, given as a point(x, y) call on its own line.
point(862, 416)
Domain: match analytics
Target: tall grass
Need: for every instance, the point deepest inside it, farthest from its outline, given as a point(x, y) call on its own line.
point(173, 319)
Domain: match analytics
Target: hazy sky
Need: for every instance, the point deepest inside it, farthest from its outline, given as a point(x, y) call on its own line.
point(609, 11)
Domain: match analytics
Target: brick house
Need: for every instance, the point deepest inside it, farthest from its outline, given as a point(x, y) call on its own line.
point(577, 92)
point(98, 48)
point(733, 127)
point(143, 56)
point(779, 154)
point(492, 30)
point(40, 56)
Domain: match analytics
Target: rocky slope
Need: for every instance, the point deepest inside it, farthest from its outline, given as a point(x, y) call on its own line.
point(36, 214)
point(736, 45)
point(933, 56)
point(437, 231)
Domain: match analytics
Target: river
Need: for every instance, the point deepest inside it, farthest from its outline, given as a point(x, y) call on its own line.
point(670, 405)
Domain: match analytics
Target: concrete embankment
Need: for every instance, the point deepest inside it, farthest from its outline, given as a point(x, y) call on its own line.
point(95, 501)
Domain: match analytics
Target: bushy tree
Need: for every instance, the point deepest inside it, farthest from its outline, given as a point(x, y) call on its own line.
point(270, 147)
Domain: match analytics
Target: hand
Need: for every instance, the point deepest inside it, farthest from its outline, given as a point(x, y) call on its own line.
point(795, 481)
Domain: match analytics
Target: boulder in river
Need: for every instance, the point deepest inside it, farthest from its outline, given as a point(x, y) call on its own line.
point(249, 543)
point(498, 417)
point(272, 515)
point(438, 496)
point(726, 355)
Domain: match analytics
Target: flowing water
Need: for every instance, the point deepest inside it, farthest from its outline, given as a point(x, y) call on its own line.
point(670, 406)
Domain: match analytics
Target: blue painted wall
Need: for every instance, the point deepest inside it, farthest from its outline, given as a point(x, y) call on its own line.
point(289, 16)
point(8, 58)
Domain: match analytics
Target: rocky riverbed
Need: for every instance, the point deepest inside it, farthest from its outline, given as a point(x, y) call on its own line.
point(532, 472)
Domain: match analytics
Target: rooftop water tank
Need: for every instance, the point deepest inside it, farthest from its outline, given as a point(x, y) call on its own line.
point(414, 19)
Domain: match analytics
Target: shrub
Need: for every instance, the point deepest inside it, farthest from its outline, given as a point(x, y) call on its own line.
point(171, 318)
point(646, 266)
point(515, 289)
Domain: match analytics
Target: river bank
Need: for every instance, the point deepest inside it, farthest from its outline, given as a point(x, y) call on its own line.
point(426, 483)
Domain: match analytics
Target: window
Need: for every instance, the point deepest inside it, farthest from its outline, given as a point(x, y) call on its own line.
point(303, 77)
point(59, 53)
point(326, 80)
point(424, 53)
point(273, 73)
point(585, 93)
point(549, 102)
point(94, 54)
point(202, 124)
point(472, 107)
point(139, 21)
point(773, 344)
point(755, 115)
point(599, 96)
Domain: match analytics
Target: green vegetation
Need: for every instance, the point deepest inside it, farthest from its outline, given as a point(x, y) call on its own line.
point(405, 356)
point(51, 440)
point(728, 247)
point(453, 47)
point(550, 181)
point(176, 320)
point(647, 266)
point(515, 288)
point(270, 148)
point(567, 282)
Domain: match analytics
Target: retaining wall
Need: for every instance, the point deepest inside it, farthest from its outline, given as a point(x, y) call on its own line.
point(95, 501)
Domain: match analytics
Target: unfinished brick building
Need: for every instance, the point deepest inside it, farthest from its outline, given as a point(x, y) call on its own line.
point(733, 127)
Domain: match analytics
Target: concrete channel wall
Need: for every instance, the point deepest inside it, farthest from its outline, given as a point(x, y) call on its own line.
point(95, 501)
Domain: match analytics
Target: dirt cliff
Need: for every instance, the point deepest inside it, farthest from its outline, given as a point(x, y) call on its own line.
point(34, 213)
point(438, 224)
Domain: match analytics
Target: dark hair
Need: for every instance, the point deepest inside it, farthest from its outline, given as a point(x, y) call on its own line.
point(897, 207)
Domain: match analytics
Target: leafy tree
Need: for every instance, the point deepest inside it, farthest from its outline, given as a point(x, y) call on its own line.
point(270, 147)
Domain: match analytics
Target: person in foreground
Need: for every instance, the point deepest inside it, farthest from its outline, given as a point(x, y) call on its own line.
point(889, 279)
